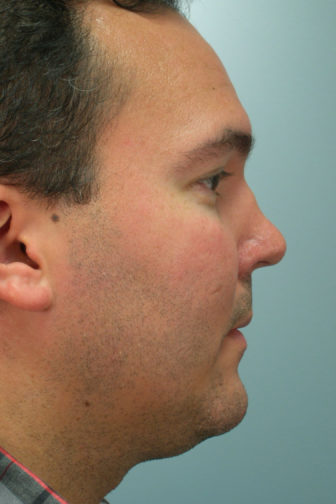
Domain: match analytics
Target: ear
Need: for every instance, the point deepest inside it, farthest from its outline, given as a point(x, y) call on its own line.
point(23, 283)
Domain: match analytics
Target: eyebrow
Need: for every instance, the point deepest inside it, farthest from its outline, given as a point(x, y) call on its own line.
point(229, 140)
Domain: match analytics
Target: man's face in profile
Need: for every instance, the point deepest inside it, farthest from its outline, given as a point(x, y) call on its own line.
point(158, 270)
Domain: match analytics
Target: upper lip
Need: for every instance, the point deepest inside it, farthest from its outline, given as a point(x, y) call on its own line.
point(244, 323)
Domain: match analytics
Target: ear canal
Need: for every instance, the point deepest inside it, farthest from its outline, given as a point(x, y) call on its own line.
point(22, 281)
point(4, 223)
point(18, 250)
point(5, 227)
point(5, 218)
point(26, 258)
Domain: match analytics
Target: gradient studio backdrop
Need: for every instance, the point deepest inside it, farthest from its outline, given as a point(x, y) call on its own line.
point(281, 57)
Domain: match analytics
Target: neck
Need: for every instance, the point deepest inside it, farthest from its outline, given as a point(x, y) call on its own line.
point(82, 455)
point(78, 470)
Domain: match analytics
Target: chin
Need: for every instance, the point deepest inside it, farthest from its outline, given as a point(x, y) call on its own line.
point(226, 413)
point(218, 415)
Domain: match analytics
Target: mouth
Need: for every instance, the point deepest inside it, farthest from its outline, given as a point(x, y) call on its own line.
point(237, 336)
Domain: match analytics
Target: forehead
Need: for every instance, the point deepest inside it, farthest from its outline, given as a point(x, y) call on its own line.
point(179, 86)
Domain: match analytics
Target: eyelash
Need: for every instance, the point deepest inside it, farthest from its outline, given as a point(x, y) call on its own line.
point(214, 180)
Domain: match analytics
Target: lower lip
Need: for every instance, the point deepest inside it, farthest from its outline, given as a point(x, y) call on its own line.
point(235, 334)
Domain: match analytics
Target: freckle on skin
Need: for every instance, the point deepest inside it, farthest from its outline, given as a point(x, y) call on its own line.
point(87, 404)
point(55, 218)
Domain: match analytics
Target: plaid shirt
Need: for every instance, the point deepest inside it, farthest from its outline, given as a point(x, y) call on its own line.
point(20, 486)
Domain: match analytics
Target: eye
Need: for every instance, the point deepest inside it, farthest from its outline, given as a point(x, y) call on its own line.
point(213, 181)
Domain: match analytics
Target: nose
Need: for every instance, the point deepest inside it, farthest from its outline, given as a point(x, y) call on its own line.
point(262, 244)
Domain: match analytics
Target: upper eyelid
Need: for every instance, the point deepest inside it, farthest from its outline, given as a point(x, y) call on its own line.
point(221, 171)
point(221, 174)
point(206, 176)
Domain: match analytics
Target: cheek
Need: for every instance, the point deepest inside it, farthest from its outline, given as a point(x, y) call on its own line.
point(157, 290)
point(186, 252)
point(203, 258)
point(186, 269)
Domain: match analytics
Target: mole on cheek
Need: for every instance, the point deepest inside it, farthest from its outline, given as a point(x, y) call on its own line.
point(55, 218)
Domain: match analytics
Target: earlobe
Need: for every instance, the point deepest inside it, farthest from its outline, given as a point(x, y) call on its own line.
point(21, 280)
point(23, 286)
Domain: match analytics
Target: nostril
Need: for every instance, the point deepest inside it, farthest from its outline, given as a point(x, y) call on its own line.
point(266, 248)
point(262, 264)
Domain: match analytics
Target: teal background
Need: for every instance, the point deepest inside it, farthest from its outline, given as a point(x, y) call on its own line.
point(281, 57)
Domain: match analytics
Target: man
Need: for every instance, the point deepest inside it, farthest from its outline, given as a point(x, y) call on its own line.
point(128, 236)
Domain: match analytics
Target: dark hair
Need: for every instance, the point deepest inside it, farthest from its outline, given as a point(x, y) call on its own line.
point(50, 96)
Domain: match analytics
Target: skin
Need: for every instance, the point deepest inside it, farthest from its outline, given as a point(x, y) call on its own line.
point(117, 317)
